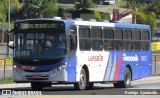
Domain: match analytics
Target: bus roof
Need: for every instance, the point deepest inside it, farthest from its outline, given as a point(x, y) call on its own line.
point(41, 19)
point(93, 23)
point(116, 25)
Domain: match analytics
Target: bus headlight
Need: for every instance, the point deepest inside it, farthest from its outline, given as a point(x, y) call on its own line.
point(17, 69)
point(63, 66)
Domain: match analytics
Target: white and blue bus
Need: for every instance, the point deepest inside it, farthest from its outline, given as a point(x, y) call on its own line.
point(61, 51)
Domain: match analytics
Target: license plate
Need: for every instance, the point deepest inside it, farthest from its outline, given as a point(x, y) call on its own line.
point(26, 67)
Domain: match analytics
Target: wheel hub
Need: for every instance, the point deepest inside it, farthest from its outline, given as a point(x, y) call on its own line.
point(82, 80)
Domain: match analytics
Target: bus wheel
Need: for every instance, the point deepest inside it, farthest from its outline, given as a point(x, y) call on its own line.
point(81, 85)
point(37, 86)
point(127, 80)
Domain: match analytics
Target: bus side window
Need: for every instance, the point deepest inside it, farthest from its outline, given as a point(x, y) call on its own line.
point(118, 36)
point(128, 45)
point(145, 40)
point(108, 36)
point(72, 41)
point(96, 38)
point(108, 45)
point(127, 37)
point(136, 37)
point(84, 38)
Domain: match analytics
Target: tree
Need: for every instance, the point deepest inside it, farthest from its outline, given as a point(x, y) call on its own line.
point(38, 9)
point(97, 16)
point(14, 11)
point(3, 13)
point(51, 9)
point(101, 16)
point(145, 13)
point(140, 17)
point(155, 7)
point(151, 20)
point(3, 10)
point(84, 4)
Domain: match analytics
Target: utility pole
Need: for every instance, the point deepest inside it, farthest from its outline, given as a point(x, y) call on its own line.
point(8, 52)
point(9, 15)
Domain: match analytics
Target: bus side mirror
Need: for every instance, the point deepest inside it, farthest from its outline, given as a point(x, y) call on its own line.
point(10, 43)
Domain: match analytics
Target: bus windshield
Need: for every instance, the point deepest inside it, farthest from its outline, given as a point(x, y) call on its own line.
point(40, 44)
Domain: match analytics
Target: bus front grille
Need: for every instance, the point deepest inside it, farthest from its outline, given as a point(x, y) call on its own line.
point(37, 77)
point(37, 70)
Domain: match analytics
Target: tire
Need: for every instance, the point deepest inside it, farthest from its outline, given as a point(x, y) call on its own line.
point(127, 80)
point(81, 85)
point(37, 86)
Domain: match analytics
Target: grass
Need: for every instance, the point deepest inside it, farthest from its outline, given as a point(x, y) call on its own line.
point(156, 75)
point(6, 81)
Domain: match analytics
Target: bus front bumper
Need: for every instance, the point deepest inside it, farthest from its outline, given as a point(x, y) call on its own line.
point(50, 76)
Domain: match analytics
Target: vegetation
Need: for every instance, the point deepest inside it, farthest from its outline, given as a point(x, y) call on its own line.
point(6, 81)
point(101, 16)
point(3, 14)
point(145, 12)
point(97, 16)
point(30, 9)
point(37, 9)
point(83, 4)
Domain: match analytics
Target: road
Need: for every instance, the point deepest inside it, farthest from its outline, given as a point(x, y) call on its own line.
point(99, 89)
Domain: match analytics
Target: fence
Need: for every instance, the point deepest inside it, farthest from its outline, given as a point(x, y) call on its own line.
point(5, 63)
point(6, 68)
point(156, 62)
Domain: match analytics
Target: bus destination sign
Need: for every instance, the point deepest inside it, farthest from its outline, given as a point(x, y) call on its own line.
point(36, 26)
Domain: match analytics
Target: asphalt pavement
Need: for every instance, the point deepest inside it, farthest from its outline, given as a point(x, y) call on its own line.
point(19, 85)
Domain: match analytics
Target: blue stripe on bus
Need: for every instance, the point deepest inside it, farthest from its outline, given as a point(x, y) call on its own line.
point(107, 67)
point(113, 67)
point(71, 69)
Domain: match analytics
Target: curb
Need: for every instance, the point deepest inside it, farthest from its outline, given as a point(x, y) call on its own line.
point(18, 85)
point(148, 79)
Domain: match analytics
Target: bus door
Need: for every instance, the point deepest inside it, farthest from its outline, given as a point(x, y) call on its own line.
point(72, 47)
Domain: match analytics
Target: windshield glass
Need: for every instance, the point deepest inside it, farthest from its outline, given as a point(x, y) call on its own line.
point(40, 45)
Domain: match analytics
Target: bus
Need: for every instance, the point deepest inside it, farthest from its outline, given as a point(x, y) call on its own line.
point(60, 51)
